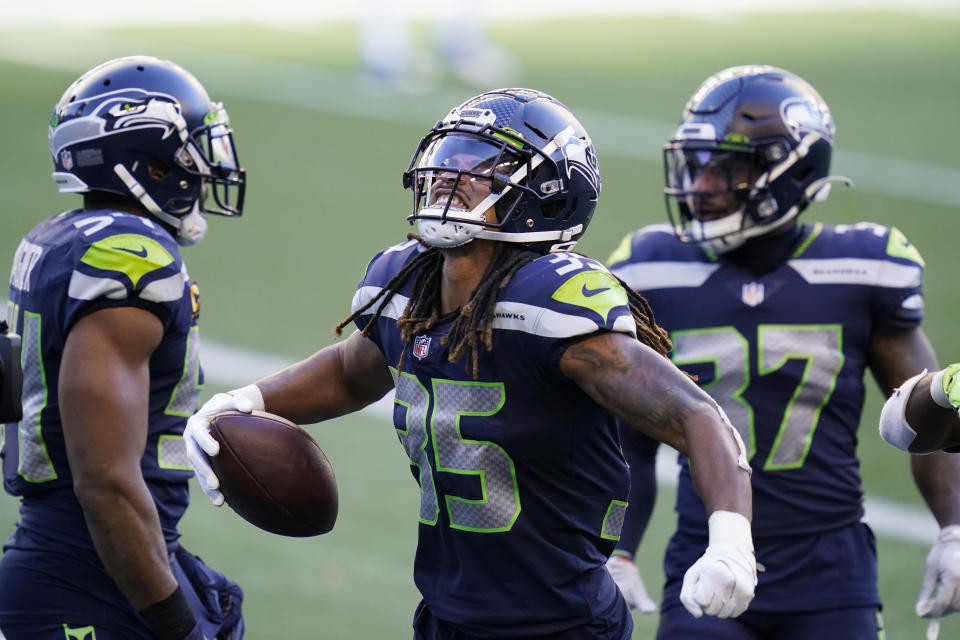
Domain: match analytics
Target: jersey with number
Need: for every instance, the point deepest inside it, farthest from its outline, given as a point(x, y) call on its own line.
point(784, 354)
point(68, 266)
point(523, 483)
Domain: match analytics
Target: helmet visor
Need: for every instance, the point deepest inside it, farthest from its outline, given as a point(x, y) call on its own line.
point(708, 184)
point(458, 171)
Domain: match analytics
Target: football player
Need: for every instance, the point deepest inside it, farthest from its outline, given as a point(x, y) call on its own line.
point(108, 317)
point(510, 356)
point(778, 321)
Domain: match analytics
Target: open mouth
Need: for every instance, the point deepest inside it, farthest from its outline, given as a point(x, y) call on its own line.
point(442, 196)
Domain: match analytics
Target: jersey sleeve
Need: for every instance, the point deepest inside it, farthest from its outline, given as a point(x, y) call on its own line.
point(563, 296)
point(901, 307)
point(381, 269)
point(653, 258)
point(130, 262)
point(560, 298)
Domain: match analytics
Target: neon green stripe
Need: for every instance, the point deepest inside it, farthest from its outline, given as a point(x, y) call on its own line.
point(509, 139)
point(817, 228)
point(899, 247)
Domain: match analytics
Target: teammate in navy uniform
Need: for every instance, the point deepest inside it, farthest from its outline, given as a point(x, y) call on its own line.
point(108, 315)
point(510, 356)
point(779, 321)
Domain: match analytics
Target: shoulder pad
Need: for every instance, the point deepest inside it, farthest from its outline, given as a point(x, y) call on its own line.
point(860, 254)
point(381, 269)
point(122, 255)
point(565, 295)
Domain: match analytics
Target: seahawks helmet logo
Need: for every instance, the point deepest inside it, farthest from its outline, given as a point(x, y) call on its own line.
point(116, 112)
point(152, 111)
point(802, 115)
point(580, 156)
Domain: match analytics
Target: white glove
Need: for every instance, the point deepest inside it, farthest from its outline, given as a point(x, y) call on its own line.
point(197, 436)
point(943, 571)
point(722, 581)
point(627, 576)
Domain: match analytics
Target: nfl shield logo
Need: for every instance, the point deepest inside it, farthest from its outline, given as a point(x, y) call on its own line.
point(421, 347)
point(752, 293)
point(66, 159)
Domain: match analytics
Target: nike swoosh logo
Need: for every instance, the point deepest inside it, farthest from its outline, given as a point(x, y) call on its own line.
point(142, 253)
point(587, 293)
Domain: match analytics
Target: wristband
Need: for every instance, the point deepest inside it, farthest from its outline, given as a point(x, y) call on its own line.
point(937, 391)
point(171, 618)
point(731, 528)
point(893, 417)
point(252, 393)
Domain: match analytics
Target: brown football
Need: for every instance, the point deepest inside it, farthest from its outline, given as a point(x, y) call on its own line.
point(273, 474)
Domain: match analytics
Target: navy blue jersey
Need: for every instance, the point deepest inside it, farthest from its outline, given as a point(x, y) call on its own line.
point(68, 266)
point(784, 354)
point(523, 484)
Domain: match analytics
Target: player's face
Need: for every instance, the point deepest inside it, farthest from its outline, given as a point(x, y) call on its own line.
point(720, 182)
point(463, 172)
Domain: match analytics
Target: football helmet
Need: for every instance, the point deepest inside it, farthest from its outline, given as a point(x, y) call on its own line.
point(145, 128)
point(752, 151)
point(512, 165)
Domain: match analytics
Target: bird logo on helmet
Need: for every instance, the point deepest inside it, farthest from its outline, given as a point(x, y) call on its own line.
point(145, 128)
point(512, 165)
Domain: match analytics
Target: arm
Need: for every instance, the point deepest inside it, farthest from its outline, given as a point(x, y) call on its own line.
point(104, 395)
point(894, 357)
point(339, 379)
point(918, 423)
point(647, 392)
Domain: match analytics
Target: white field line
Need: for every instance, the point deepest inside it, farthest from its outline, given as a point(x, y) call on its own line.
point(348, 94)
point(233, 367)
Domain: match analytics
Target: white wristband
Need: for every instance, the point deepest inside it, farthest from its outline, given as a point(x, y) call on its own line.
point(729, 527)
point(893, 417)
point(252, 393)
point(936, 390)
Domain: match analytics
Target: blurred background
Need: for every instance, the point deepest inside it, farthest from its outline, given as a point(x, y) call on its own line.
point(328, 101)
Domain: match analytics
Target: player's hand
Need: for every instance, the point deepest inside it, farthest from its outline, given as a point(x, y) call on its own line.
point(201, 444)
point(940, 590)
point(721, 583)
point(627, 576)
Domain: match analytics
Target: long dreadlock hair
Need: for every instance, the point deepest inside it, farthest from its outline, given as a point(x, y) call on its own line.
point(473, 323)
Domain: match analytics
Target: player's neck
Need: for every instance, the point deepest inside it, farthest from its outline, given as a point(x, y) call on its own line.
point(766, 253)
point(463, 268)
point(104, 200)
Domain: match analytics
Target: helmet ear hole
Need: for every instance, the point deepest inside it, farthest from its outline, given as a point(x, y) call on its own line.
point(553, 210)
point(157, 170)
point(802, 174)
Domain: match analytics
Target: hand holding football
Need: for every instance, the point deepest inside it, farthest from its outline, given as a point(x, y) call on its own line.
point(273, 474)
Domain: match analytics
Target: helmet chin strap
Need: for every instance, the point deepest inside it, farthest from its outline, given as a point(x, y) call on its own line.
point(190, 228)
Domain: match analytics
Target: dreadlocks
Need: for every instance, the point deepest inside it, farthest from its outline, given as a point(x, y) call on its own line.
point(473, 323)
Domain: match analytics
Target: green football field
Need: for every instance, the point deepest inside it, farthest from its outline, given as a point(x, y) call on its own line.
point(324, 151)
